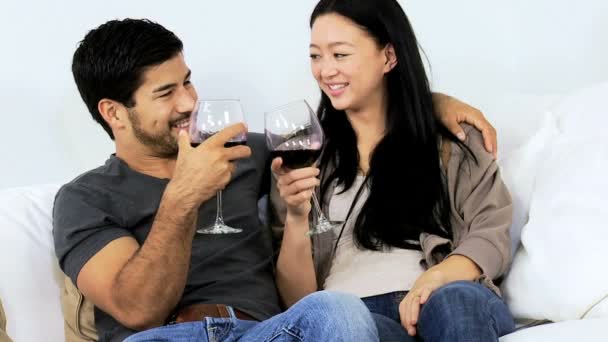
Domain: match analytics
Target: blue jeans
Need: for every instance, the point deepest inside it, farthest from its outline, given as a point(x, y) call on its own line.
point(321, 316)
point(459, 311)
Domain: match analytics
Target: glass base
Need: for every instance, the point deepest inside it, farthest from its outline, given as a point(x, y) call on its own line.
point(322, 226)
point(218, 228)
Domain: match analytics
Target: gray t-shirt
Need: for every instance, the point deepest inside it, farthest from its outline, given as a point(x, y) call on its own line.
point(113, 201)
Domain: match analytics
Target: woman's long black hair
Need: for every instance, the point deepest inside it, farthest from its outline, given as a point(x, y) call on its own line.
point(408, 188)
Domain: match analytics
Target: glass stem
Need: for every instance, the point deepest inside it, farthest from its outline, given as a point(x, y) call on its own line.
point(218, 216)
point(318, 208)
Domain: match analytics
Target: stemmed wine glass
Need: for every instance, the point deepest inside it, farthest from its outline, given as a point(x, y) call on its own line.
point(208, 118)
point(294, 133)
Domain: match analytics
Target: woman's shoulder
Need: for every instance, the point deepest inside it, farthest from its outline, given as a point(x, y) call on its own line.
point(476, 149)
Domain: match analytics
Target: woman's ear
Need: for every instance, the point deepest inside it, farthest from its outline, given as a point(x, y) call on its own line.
point(391, 57)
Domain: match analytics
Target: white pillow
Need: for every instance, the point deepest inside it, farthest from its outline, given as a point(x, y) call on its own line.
point(598, 310)
point(519, 169)
point(559, 273)
point(584, 112)
point(588, 330)
point(31, 279)
point(517, 116)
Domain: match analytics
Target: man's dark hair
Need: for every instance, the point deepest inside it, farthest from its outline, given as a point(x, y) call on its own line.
point(112, 58)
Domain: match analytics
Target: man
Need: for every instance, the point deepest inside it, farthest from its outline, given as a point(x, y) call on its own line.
point(125, 232)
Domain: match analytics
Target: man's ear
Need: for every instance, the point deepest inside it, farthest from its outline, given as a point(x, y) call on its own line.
point(114, 113)
point(391, 58)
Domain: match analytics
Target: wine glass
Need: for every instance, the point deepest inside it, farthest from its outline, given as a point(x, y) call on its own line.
point(294, 133)
point(208, 118)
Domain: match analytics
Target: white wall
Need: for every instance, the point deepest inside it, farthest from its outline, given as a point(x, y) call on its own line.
point(257, 51)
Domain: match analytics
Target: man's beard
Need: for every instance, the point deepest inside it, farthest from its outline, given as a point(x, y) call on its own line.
point(162, 143)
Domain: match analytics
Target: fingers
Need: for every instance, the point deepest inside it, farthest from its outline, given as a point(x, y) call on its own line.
point(276, 166)
point(405, 314)
point(298, 174)
point(488, 132)
point(183, 140)
point(223, 136)
point(299, 198)
point(490, 141)
point(231, 167)
point(424, 296)
point(295, 181)
point(302, 185)
point(410, 307)
point(455, 128)
point(415, 310)
point(237, 152)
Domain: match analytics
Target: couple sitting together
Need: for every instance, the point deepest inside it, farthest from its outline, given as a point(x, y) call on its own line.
point(423, 215)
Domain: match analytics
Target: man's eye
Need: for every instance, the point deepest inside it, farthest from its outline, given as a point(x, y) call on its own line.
point(340, 55)
point(166, 94)
point(314, 56)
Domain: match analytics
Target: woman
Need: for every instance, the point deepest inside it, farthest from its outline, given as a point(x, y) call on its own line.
point(425, 216)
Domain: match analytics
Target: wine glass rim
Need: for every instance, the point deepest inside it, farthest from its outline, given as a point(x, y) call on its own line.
point(289, 104)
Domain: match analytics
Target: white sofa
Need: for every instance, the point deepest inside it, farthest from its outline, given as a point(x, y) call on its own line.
point(31, 281)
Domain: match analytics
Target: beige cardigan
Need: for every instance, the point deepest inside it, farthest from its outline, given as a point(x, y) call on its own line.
point(481, 214)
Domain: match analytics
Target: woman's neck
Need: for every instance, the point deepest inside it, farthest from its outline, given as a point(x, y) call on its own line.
point(369, 125)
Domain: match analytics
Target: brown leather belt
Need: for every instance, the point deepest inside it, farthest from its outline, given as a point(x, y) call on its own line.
point(197, 312)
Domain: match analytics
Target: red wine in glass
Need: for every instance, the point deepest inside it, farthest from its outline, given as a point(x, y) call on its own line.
point(295, 159)
point(208, 118)
point(228, 144)
point(293, 132)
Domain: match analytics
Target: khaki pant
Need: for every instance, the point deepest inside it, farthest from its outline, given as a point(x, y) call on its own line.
point(3, 336)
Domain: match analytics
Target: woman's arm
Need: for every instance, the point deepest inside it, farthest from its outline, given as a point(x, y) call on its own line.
point(484, 206)
point(292, 190)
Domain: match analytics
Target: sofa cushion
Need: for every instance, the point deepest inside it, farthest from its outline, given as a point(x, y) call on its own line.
point(78, 314)
point(587, 330)
point(519, 169)
point(583, 111)
point(26, 242)
point(31, 279)
point(3, 336)
point(556, 272)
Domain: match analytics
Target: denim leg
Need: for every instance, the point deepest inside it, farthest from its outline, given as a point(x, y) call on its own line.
point(391, 331)
point(385, 304)
point(320, 316)
point(464, 311)
point(207, 330)
point(385, 310)
point(183, 332)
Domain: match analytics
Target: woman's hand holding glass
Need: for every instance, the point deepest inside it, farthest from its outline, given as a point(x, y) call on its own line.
point(296, 187)
point(295, 138)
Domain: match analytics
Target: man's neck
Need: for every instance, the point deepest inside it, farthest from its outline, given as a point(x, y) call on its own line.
point(144, 162)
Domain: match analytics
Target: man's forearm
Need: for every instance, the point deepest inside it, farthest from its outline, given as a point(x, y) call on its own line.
point(151, 283)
